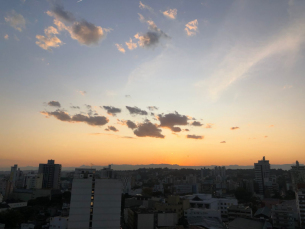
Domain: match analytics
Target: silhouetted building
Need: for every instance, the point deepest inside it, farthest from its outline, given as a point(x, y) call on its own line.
point(262, 172)
point(51, 175)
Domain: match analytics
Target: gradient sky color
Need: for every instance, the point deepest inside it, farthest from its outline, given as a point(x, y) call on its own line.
point(235, 66)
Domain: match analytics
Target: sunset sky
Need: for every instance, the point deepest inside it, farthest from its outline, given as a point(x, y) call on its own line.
point(201, 82)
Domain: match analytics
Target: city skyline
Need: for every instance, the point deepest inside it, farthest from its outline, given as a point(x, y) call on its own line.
point(205, 83)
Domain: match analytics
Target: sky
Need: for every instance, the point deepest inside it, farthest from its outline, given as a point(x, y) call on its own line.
point(203, 82)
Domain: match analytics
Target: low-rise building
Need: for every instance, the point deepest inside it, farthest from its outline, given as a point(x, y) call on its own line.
point(173, 204)
point(239, 211)
point(243, 223)
point(58, 222)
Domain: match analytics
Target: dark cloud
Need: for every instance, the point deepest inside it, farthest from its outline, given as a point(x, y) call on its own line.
point(194, 136)
point(223, 142)
point(88, 106)
point(131, 124)
point(54, 104)
point(112, 128)
point(152, 108)
point(196, 123)
point(62, 14)
point(65, 117)
point(75, 107)
point(147, 129)
point(60, 115)
point(136, 110)
point(234, 128)
point(186, 130)
point(93, 121)
point(86, 33)
point(81, 30)
point(172, 119)
point(128, 137)
point(128, 96)
point(112, 110)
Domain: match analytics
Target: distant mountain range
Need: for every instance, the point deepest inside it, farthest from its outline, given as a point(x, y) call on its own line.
point(134, 167)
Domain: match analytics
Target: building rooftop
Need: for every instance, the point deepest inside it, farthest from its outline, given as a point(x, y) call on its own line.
point(242, 223)
point(263, 211)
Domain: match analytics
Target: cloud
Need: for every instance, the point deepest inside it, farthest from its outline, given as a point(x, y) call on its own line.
point(6, 36)
point(112, 110)
point(61, 14)
point(287, 87)
point(65, 117)
point(147, 129)
point(141, 18)
point(50, 40)
point(142, 6)
point(209, 125)
point(82, 92)
point(266, 136)
point(152, 108)
point(75, 107)
point(15, 20)
point(128, 123)
point(60, 115)
point(127, 96)
point(194, 136)
point(240, 59)
point(84, 32)
point(271, 126)
point(136, 110)
point(196, 123)
point(54, 104)
point(191, 28)
point(131, 45)
point(234, 128)
point(171, 13)
point(112, 128)
point(172, 119)
point(120, 48)
point(128, 137)
point(223, 142)
point(152, 37)
point(186, 130)
point(93, 121)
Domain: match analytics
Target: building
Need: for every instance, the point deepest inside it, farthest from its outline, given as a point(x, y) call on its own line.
point(243, 223)
point(51, 175)
point(201, 213)
point(59, 222)
point(297, 174)
point(282, 217)
point(262, 172)
point(33, 181)
point(140, 218)
point(95, 202)
point(300, 201)
point(239, 211)
point(173, 204)
point(263, 213)
point(206, 201)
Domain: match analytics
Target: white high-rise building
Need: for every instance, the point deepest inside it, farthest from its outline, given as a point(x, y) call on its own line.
point(95, 201)
point(262, 173)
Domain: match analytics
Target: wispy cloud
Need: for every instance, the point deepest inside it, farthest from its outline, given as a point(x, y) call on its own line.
point(82, 92)
point(120, 48)
point(287, 87)
point(15, 20)
point(241, 58)
point(234, 128)
point(142, 6)
point(6, 36)
point(191, 28)
point(193, 136)
point(171, 13)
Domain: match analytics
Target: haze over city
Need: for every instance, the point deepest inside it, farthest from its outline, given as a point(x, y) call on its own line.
point(152, 82)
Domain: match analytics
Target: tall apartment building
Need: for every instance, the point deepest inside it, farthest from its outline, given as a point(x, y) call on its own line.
point(282, 217)
point(297, 174)
point(262, 173)
point(300, 201)
point(51, 175)
point(95, 201)
point(33, 181)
